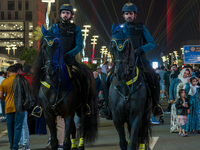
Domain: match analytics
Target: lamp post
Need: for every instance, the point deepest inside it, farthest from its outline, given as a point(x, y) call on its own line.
point(48, 10)
point(102, 52)
point(8, 49)
point(85, 31)
point(94, 41)
point(105, 53)
point(14, 48)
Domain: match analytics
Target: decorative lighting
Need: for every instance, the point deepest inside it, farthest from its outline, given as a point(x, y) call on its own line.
point(85, 31)
point(94, 41)
point(48, 10)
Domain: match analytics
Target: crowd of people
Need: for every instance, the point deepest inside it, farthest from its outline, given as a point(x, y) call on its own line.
point(13, 110)
point(181, 88)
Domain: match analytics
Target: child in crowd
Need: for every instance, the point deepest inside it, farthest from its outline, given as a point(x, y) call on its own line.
point(194, 117)
point(182, 106)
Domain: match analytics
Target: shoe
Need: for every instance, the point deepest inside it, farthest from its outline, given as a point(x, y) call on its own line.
point(155, 122)
point(60, 147)
point(157, 111)
point(48, 145)
point(167, 112)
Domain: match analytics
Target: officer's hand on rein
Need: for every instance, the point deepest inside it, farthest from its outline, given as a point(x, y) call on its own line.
point(138, 51)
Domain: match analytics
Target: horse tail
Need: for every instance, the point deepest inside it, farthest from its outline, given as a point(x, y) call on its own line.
point(90, 123)
point(145, 132)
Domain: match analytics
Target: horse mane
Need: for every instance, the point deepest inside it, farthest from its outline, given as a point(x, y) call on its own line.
point(38, 73)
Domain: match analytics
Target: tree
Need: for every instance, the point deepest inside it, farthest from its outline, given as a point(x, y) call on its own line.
point(28, 55)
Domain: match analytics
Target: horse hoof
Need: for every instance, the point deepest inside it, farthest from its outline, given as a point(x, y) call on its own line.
point(81, 148)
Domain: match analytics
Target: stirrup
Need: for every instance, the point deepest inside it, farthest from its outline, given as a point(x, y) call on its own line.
point(37, 114)
point(158, 115)
point(88, 108)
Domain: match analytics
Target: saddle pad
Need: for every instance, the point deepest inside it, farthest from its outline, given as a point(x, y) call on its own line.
point(120, 44)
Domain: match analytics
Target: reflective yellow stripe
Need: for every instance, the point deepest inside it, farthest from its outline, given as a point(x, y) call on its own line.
point(128, 141)
point(142, 147)
point(134, 79)
point(74, 143)
point(45, 84)
point(69, 71)
point(81, 142)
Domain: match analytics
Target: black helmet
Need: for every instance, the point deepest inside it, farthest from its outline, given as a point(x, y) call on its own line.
point(67, 7)
point(129, 7)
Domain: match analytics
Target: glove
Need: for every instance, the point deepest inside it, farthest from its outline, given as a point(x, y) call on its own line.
point(138, 51)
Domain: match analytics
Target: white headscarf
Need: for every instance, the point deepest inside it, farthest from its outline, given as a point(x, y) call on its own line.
point(182, 84)
point(180, 76)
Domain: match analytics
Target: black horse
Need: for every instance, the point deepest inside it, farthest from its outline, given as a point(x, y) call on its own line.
point(128, 95)
point(58, 93)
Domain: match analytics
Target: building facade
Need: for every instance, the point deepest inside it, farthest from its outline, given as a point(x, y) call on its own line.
point(18, 19)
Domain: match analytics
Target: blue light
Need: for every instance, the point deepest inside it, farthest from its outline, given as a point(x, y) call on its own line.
point(121, 26)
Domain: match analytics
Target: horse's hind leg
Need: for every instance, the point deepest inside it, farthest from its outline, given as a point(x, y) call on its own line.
point(74, 140)
point(120, 129)
point(52, 127)
point(69, 122)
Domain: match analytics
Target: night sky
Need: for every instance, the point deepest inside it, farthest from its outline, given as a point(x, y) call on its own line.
point(180, 16)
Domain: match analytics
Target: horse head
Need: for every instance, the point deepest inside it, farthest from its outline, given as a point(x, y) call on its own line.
point(51, 49)
point(122, 50)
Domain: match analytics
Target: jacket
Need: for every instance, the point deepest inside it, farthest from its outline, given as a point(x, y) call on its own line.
point(173, 89)
point(180, 109)
point(23, 97)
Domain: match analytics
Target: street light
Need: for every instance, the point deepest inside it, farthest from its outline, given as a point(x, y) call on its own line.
point(48, 10)
point(94, 41)
point(85, 31)
point(102, 52)
point(14, 48)
point(8, 49)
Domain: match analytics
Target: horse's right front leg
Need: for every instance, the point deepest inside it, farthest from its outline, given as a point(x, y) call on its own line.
point(120, 129)
point(69, 126)
point(52, 127)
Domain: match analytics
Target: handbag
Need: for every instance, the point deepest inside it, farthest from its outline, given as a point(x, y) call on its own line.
point(188, 111)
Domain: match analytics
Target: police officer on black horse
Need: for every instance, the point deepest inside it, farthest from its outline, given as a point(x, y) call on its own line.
point(71, 39)
point(142, 42)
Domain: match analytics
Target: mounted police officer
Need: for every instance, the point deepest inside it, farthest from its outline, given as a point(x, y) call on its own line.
point(71, 39)
point(142, 42)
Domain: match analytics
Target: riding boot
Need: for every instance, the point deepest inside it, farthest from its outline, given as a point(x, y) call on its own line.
point(105, 111)
point(154, 85)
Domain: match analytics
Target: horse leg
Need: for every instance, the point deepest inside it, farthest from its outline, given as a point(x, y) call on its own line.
point(135, 126)
point(69, 122)
point(74, 140)
point(83, 121)
point(145, 130)
point(52, 127)
point(120, 129)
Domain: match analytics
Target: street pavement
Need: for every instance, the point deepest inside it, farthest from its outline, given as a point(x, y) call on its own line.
point(108, 138)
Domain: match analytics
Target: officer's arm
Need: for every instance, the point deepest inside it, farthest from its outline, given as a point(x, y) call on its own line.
point(79, 43)
point(150, 41)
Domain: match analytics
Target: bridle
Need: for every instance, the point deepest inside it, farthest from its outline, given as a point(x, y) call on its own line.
point(129, 69)
point(58, 67)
